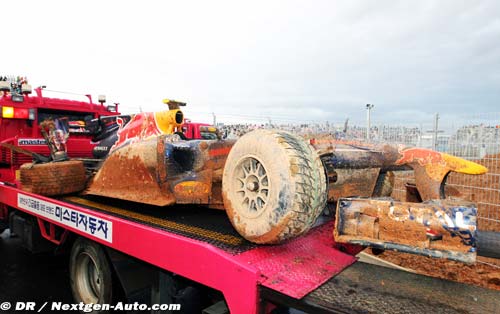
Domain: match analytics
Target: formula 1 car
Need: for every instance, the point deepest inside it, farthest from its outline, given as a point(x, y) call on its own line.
point(274, 184)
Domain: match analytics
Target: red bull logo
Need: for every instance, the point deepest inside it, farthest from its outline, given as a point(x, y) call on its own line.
point(147, 124)
point(140, 127)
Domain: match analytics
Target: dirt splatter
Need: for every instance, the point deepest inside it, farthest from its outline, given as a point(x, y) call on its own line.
point(479, 274)
point(483, 190)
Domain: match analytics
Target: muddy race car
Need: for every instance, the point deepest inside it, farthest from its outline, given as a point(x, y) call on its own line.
point(274, 184)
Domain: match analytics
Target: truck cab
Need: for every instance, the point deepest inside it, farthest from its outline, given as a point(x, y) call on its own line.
point(198, 131)
point(21, 112)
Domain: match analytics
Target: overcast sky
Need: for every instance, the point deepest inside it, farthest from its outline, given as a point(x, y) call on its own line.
point(286, 60)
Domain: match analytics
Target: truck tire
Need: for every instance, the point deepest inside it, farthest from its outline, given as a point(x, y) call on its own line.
point(53, 178)
point(90, 274)
point(274, 186)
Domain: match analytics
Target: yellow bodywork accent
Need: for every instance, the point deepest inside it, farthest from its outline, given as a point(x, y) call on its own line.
point(165, 121)
point(191, 187)
point(438, 170)
point(463, 166)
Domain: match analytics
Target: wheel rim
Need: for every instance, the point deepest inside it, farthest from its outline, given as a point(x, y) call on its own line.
point(252, 187)
point(88, 280)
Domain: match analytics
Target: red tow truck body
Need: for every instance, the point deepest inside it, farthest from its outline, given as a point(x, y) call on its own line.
point(196, 130)
point(19, 125)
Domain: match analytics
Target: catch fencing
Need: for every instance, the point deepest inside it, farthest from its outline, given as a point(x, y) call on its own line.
point(474, 137)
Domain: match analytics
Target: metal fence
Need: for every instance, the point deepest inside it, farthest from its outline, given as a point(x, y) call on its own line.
point(474, 137)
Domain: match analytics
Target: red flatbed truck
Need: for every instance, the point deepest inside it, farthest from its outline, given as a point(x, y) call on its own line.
point(192, 256)
point(149, 249)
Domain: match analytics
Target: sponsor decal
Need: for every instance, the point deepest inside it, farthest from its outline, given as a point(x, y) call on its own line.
point(101, 148)
point(92, 225)
point(31, 141)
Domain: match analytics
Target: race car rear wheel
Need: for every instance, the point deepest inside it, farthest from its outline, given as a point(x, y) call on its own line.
point(53, 178)
point(274, 186)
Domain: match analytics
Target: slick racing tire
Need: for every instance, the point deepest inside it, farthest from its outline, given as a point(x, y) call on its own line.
point(53, 178)
point(90, 274)
point(274, 186)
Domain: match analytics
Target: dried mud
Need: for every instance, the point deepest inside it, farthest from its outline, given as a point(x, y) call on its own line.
point(487, 191)
point(479, 274)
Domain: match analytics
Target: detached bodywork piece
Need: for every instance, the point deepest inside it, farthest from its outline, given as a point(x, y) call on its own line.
point(437, 228)
point(272, 184)
point(426, 223)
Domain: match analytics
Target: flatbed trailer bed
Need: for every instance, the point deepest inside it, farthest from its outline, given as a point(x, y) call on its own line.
point(367, 288)
point(307, 273)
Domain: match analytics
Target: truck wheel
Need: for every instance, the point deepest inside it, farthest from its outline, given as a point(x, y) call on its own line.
point(274, 186)
point(53, 178)
point(90, 273)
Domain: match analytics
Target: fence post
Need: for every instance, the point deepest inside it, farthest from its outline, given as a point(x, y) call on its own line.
point(368, 118)
point(435, 132)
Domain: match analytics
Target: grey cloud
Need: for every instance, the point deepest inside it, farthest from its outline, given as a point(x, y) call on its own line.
point(305, 60)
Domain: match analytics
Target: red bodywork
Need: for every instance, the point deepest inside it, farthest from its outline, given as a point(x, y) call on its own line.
point(25, 133)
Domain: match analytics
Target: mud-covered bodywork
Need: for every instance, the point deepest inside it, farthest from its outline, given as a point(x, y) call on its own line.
point(146, 161)
point(426, 223)
point(361, 169)
point(270, 177)
point(164, 170)
point(437, 228)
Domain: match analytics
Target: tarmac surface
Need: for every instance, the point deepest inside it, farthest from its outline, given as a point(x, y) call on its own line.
point(27, 277)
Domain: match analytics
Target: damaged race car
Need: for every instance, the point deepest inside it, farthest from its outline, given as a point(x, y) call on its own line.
point(274, 185)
